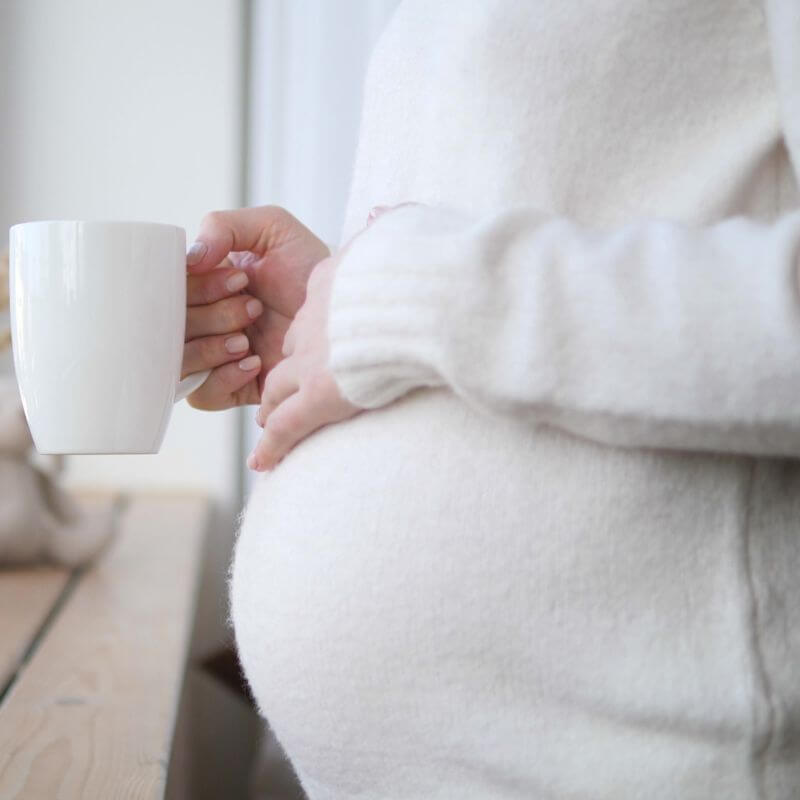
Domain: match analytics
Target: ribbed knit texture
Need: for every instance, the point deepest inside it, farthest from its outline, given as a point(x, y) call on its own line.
point(671, 333)
point(557, 559)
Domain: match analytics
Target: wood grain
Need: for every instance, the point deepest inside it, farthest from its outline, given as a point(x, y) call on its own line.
point(92, 714)
point(26, 598)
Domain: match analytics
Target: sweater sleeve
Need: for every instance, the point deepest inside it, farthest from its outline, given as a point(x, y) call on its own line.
point(657, 333)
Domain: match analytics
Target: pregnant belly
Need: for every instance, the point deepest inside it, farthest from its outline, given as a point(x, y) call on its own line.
point(426, 577)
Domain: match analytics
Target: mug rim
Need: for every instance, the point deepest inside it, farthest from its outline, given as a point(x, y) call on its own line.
point(93, 222)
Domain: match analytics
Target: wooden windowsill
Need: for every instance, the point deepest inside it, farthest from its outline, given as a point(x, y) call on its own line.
point(93, 663)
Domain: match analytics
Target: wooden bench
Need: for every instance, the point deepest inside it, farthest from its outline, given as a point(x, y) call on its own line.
point(92, 663)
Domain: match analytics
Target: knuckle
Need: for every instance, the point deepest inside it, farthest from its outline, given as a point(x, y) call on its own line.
point(209, 351)
point(205, 289)
point(277, 426)
point(292, 420)
point(232, 314)
point(276, 212)
point(278, 223)
point(213, 220)
point(278, 216)
point(284, 425)
point(317, 386)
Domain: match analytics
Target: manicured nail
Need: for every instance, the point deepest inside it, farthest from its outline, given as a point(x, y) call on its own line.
point(251, 362)
point(236, 281)
point(252, 461)
point(195, 253)
point(237, 343)
point(254, 308)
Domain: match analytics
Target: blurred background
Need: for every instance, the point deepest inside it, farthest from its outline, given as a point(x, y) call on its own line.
point(163, 110)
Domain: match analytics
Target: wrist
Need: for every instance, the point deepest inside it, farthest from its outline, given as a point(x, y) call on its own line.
point(388, 306)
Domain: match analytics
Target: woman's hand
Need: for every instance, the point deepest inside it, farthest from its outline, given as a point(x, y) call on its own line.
point(300, 394)
point(238, 334)
point(218, 312)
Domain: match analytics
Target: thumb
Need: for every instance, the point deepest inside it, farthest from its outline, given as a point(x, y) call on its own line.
point(244, 229)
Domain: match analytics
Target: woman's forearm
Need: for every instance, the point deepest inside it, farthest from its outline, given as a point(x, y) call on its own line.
point(655, 334)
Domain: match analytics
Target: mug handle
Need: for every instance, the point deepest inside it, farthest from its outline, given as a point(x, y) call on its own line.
point(190, 383)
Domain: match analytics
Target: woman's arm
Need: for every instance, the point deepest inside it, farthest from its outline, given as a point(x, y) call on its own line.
point(656, 334)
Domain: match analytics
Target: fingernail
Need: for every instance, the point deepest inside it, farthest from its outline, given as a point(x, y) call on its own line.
point(236, 344)
point(194, 255)
point(258, 419)
point(251, 362)
point(252, 461)
point(236, 282)
point(254, 308)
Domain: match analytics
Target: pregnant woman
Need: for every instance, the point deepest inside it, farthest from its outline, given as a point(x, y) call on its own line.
point(529, 523)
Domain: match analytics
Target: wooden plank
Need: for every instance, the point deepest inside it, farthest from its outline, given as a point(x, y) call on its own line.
point(93, 713)
point(26, 598)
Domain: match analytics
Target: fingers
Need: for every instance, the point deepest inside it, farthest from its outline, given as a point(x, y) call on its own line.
point(225, 316)
point(230, 385)
point(270, 331)
point(242, 229)
point(209, 352)
point(315, 404)
point(288, 424)
point(214, 285)
point(281, 382)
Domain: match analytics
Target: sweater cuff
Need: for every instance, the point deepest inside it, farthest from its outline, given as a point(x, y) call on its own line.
point(389, 302)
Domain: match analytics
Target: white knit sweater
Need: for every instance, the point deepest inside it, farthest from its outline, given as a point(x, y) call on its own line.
point(613, 241)
point(566, 568)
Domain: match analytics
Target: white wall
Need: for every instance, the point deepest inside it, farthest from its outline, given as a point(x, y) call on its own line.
point(114, 109)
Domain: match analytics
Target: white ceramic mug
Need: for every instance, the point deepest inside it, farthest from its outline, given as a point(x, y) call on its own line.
point(98, 314)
